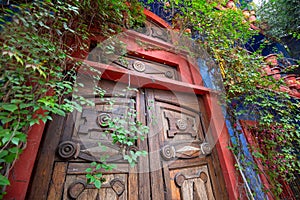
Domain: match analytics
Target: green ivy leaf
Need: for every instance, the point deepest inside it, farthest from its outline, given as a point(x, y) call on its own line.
point(4, 180)
point(15, 140)
point(97, 184)
point(10, 107)
point(89, 170)
point(3, 153)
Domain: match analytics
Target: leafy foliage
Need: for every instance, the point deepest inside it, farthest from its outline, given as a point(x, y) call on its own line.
point(271, 153)
point(281, 17)
point(94, 176)
point(124, 132)
point(33, 65)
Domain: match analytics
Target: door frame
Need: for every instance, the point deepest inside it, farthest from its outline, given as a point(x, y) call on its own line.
point(21, 173)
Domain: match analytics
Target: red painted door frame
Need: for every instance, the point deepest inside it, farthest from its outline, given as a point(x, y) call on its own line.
point(190, 78)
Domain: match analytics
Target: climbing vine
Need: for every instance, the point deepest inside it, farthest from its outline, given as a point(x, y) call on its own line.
point(281, 18)
point(124, 132)
point(33, 79)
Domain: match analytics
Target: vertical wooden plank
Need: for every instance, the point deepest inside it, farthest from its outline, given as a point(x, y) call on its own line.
point(132, 175)
point(225, 157)
point(143, 165)
point(44, 167)
point(68, 127)
point(175, 190)
point(216, 175)
point(133, 184)
point(200, 192)
point(156, 176)
point(58, 179)
point(218, 183)
point(187, 190)
point(167, 181)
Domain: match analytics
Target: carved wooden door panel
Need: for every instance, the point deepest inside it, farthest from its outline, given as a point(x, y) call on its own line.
point(179, 164)
point(181, 158)
point(88, 135)
point(72, 144)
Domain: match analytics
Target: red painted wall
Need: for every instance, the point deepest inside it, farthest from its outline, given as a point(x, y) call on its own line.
point(21, 172)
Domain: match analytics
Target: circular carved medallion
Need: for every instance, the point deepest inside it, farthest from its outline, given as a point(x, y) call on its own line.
point(67, 149)
point(205, 148)
point(139, 66)
point(167, 152)
point(103, 119)
point(181, 124)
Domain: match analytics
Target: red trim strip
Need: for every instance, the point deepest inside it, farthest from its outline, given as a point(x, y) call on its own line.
point(222, 139)
point(20, 174)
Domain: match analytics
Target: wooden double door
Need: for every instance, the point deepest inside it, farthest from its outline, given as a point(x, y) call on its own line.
point(181, 162)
